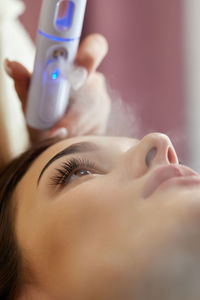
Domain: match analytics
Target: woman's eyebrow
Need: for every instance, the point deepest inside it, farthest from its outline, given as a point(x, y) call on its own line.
point(72, 149)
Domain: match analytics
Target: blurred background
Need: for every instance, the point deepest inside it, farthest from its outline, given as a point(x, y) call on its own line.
point(153, 63)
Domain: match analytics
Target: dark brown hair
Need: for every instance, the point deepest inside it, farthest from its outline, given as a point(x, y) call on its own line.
point(10, 258)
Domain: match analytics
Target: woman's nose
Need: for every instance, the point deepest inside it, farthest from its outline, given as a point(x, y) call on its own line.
point(159, 150)
point(154, 149)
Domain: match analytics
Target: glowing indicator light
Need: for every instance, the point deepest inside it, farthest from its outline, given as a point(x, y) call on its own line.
point(65, 15)
point(57, 39)
point(55, 74)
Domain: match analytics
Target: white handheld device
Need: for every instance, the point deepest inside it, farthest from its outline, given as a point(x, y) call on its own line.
point(57, 43)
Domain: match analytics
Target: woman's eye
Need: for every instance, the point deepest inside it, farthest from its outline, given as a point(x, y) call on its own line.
point(75, 169)
point(79, 173)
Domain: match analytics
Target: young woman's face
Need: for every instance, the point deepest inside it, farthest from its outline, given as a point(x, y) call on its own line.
point(94, 212)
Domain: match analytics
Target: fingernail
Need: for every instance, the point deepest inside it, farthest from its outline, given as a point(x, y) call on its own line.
point(78, 77)
point(60, 133)
point(7, 68)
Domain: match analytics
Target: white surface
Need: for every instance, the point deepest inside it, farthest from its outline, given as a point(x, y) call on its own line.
point(15, 44)
point(192, 47)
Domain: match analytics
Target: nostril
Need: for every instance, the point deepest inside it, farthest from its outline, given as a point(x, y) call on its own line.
point(170, 155)
point(150, 156)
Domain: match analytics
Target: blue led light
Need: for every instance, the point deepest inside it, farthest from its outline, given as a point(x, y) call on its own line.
point(55, 38)
point(65, 22)
point(55, 74)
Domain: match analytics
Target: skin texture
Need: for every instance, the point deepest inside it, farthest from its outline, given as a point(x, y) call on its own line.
point(99, 235)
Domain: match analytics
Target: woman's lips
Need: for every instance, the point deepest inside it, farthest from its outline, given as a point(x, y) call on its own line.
point(164, 173)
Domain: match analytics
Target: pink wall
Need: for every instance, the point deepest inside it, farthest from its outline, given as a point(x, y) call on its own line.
point(145, 62)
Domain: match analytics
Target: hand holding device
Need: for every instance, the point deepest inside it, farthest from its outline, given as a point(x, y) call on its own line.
point(57, 43)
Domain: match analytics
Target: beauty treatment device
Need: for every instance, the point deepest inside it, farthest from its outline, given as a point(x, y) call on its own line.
point(58, 37)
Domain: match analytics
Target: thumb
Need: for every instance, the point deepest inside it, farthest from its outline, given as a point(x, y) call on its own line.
point(21, 77)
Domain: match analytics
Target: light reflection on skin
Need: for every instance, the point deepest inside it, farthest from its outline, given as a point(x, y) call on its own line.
point(93, 237)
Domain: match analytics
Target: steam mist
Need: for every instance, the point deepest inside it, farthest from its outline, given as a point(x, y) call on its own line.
point(122, 120)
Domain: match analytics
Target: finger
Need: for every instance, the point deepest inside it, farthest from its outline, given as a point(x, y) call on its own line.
point(79, 124)
point(89, 125)
point(21, 77)
point(91, 52)
point(98, 128)
point(68, 122)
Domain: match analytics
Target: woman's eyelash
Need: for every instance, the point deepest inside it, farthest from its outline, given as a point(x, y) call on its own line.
point(71, 166)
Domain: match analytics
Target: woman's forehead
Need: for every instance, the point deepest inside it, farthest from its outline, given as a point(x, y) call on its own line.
point(104, 143)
